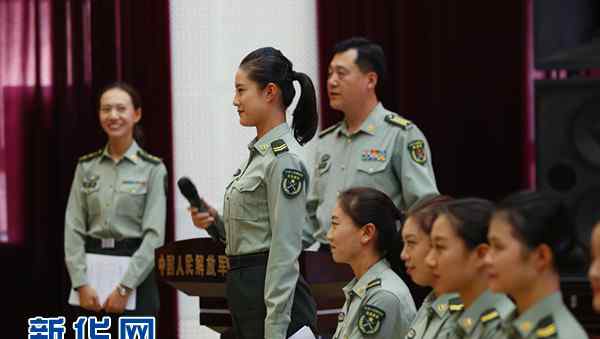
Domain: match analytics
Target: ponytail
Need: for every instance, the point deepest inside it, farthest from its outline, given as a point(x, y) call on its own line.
point(268, 65)
point(305, 117)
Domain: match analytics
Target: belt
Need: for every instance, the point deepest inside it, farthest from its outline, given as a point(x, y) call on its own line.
point(248, 260)
point(113, 244)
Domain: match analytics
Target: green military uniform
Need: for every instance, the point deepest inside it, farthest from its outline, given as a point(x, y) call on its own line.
point(549, 318)
point(113, 204)
point(264, 211)
point(378, 305)
point(432, 314)
point(481, 319)
point(387, 153)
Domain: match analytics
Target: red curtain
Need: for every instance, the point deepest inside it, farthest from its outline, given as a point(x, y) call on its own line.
point(54, 57)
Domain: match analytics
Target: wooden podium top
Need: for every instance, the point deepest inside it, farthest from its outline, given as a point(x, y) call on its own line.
point(198, 267)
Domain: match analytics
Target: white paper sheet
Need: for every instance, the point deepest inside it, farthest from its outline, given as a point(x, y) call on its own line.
point(104, 272)
point(303, 333)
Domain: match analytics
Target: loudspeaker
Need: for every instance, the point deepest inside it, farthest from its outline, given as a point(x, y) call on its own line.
point(566, 34)
point(568, 147)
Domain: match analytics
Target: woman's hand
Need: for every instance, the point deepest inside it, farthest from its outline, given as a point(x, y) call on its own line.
point(115, 303)
point(88, 298)
point(203, 219)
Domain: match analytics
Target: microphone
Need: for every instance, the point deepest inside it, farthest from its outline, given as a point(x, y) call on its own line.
point(188, 189)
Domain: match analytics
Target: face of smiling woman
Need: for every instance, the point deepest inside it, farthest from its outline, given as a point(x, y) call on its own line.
point(117, 114)
point(416, 247)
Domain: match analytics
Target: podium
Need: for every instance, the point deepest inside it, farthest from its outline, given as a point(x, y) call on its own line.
point(198, 267)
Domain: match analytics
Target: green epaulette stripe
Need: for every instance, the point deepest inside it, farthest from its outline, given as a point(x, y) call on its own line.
point(398, 121)
point(91, 156)
point(279, 146)
point(148, 157)
point(546, 332)
point(489, 315)
point(374, 283)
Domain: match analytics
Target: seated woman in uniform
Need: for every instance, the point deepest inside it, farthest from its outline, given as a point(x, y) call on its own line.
point(531, 240)
point(595, 266)
point(265, 202)
point(117, 206)
point(434, 311)
point(459, 247)
point(362, 234)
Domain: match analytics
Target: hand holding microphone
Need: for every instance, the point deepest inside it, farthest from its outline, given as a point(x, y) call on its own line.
point(202, 214)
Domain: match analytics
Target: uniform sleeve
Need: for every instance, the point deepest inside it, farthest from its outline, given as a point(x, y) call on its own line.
point(75, 231)
point(393, 315)
point(312, 203)
point(153, 229)
point(287, 203)
point(413, 166)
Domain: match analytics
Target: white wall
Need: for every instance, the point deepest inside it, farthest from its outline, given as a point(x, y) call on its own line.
point(208, 41)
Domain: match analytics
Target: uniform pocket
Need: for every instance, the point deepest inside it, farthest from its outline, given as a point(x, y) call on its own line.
point(250, 199)
point(131, 199)
point(92, 198)
point(372, 167)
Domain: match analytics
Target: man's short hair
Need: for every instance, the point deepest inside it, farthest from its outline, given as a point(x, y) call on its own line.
point(370, 56)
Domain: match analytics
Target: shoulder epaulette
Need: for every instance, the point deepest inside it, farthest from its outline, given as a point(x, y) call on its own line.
point(489, 315)
point(149, 157)
point(329, 129)
point(279, 146)
point(374, 283)
point(398, 121)
point(91, 156)
point(455, 305)
point(546, 328)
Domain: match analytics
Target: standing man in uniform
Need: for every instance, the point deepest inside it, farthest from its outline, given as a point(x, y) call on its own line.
point(370, 147)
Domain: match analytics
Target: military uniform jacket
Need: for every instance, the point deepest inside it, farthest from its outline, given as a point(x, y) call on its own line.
point(481, 319)
point(549, 318)
point(121, 200)
point(378, 305)
point(264, 210)
point(432, 314)
point(387, 153)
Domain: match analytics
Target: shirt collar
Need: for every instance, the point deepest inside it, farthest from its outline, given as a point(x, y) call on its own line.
point(439, 305)
point(371, 124)
point(263, 144)
point(359, 287)
point(529, 320)
point(131, 154)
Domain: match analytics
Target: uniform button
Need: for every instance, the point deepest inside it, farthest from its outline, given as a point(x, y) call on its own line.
point(349, 140)
point(370, 170)
point(343, 167)
point(338, 193)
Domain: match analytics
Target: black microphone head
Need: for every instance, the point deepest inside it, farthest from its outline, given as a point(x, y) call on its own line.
point(188, 189)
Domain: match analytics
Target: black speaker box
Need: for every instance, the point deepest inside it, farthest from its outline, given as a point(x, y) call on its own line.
point(568, 147)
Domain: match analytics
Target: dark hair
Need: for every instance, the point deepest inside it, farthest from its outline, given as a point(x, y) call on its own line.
point(268, 65)
point(136, 101)
point(370, 57)
point(367, 205)
point(543, 218)
point(425, 212)
point(470, 218)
